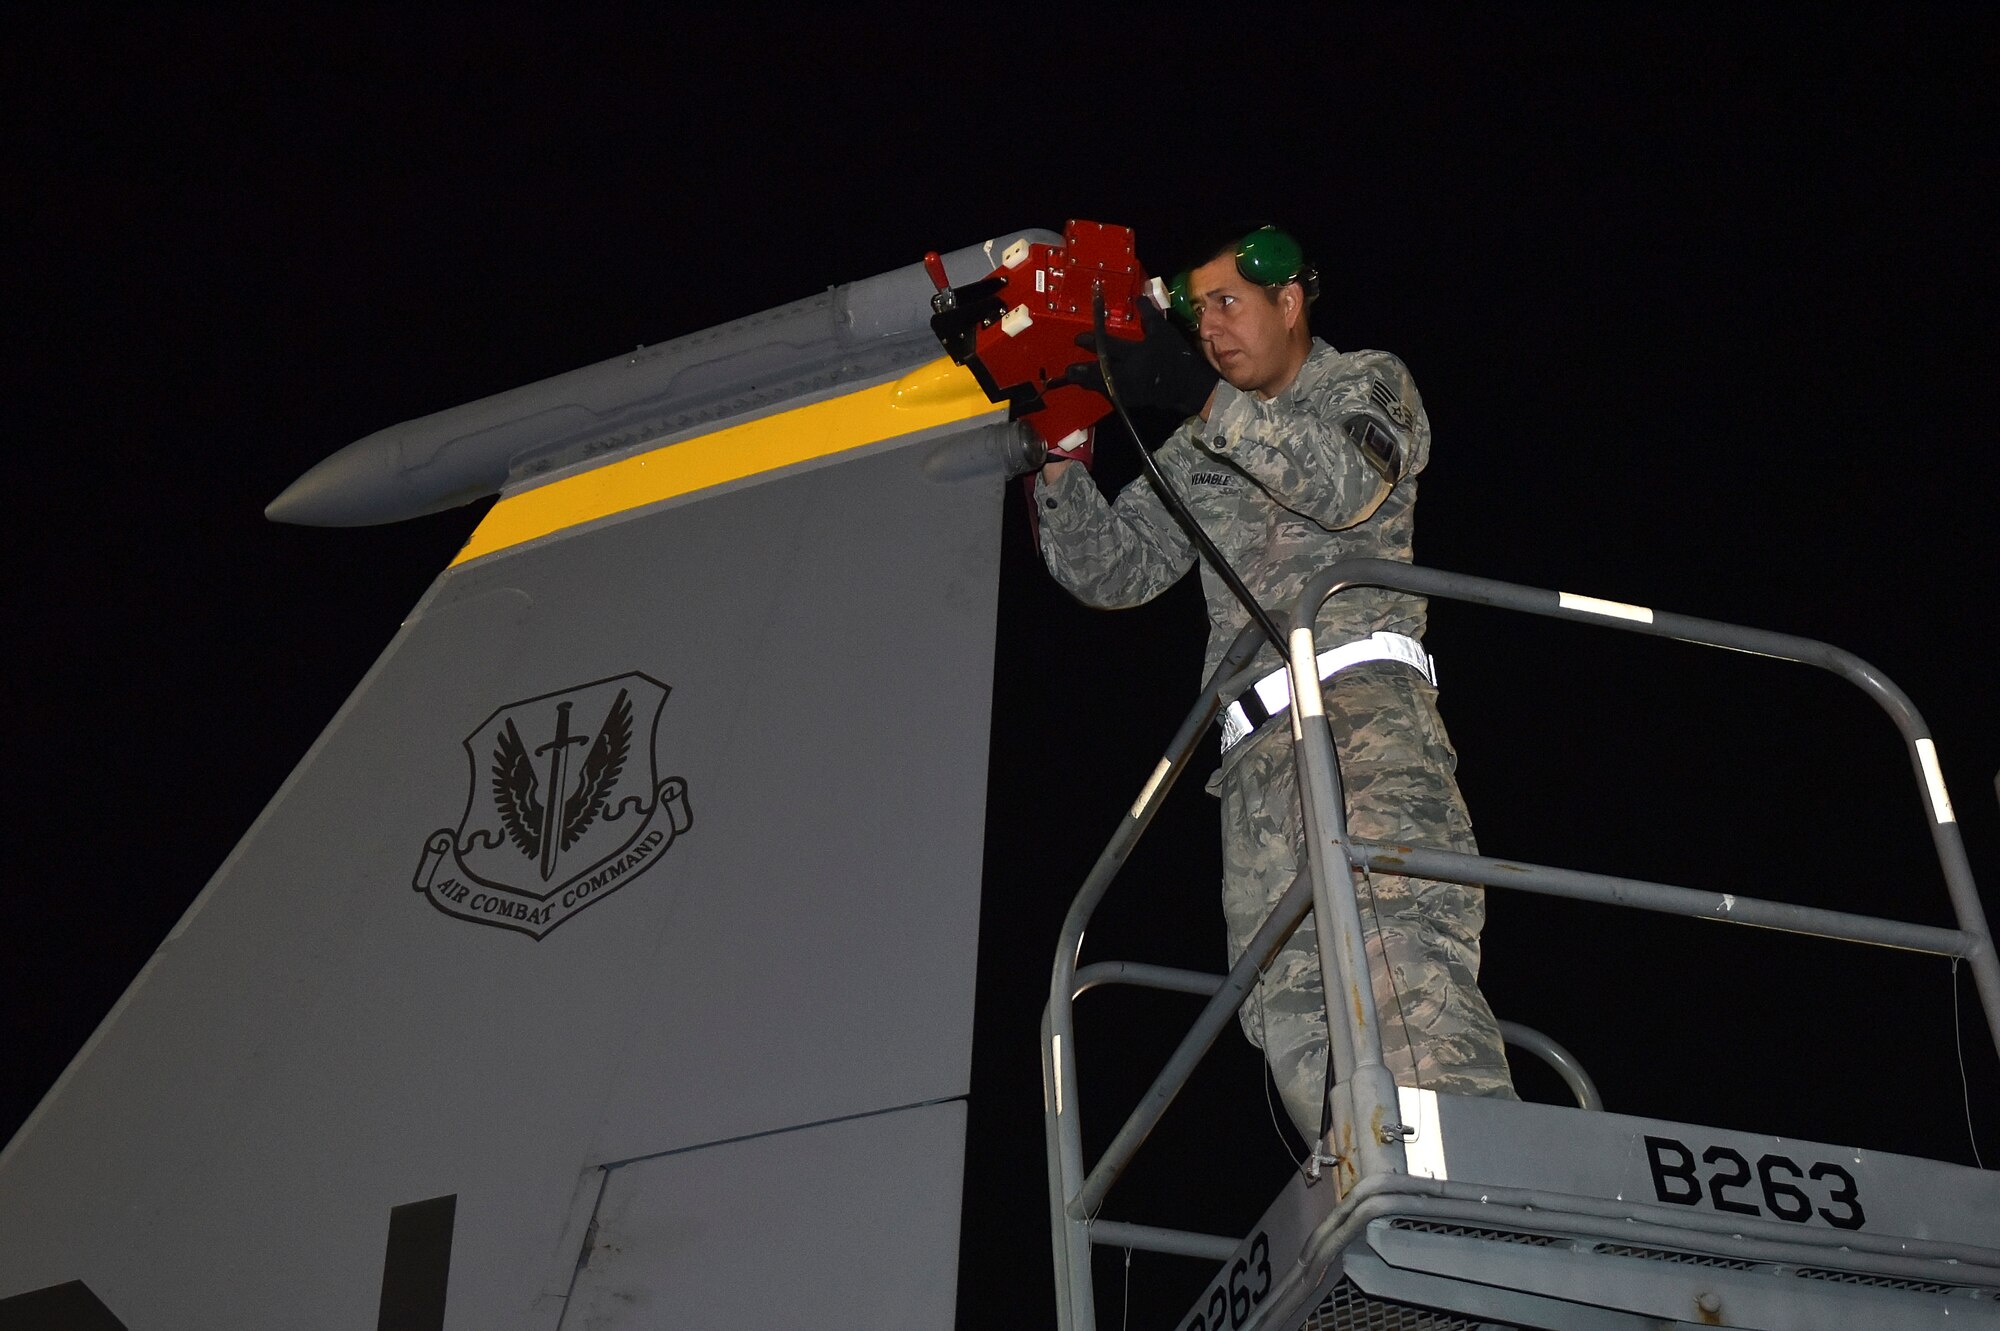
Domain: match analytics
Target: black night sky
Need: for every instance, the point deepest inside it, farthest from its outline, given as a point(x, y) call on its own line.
point(1702, 308)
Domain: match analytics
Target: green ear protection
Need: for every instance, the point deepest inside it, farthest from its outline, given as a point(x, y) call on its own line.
point(1268, 257)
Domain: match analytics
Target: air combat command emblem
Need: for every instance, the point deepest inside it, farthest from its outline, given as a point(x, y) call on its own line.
point(566, 807)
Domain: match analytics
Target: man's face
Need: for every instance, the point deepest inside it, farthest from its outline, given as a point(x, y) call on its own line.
point(1246, 335)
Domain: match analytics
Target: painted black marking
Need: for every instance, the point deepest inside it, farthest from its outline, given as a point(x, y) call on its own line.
point(1779, 1179)
point(66, 1307)
point(1232, 1298)
point(1782, 1197)
point(417, 1265)
point(1673, 1171)
point(416, 1270)
point(568, 829)
point(1736, 1175)
point(1851, 1216)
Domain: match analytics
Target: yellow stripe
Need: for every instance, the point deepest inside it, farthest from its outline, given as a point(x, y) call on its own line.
point(939, 393)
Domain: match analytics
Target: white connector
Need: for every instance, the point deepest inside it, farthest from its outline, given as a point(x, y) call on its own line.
point(1014, 255)
point(1016, 321)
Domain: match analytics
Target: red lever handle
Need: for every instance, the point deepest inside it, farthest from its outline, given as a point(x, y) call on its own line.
point(934, 265)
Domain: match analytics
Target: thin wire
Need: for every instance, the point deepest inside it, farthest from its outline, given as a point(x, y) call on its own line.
point(1125, 1316)
point(1964, 1082)
point(1270, 1079)
point(1395, 990)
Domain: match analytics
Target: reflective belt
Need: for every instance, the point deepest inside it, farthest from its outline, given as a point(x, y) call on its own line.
point(1272, 694)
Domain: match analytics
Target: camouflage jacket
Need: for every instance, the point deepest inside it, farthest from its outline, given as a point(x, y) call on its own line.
point(1278, 486)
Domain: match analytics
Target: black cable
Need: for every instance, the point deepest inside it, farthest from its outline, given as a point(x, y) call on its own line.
point(1173, 500)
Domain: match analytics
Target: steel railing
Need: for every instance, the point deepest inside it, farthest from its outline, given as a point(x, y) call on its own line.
point(1362, 1091)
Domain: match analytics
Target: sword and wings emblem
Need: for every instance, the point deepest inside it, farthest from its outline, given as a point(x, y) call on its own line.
point(586, 808)
point(545, 817)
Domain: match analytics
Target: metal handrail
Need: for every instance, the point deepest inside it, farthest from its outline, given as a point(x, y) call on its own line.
point(1562, 1060)
point(1974, 939)
point(1362, 1095)
point(1061, 1120)
point(1662, 898)
point(1176, 980)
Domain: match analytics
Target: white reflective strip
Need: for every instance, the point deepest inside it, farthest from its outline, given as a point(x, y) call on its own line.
point(1424, 1153)
point(1305, 675)
point(1235, 725)
point(1159, 775)
point(1055, 1063)
point(1609, 609)
point(1274, 691)
point(1934, 775)
point(1380, 645)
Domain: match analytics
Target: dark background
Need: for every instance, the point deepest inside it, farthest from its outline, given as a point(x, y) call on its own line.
point(1702, 308)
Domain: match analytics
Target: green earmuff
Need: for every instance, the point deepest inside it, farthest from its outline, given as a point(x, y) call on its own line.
point(1270, 257)
point(1267, 256)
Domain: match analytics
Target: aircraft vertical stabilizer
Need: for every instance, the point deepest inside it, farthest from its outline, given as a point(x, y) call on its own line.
point(624, 918)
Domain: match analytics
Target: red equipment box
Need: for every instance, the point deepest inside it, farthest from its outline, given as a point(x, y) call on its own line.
point(1017, 328)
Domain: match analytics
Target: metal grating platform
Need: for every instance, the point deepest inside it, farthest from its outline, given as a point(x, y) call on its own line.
point(1348, 1309)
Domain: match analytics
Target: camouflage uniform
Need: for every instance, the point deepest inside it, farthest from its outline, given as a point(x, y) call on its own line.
point(1284, 494)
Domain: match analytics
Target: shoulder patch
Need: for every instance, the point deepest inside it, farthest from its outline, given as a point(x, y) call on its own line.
point(1376, 445)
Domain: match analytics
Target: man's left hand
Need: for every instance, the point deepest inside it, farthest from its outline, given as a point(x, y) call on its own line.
point(1163, 369)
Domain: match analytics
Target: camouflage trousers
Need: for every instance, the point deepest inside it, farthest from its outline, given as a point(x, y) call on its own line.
point(1396, 767)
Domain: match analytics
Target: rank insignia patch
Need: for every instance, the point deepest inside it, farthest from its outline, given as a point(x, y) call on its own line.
point(566, 807)
point(1392, 402)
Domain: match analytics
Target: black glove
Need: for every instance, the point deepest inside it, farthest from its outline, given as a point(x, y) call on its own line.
point(1163, 369)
